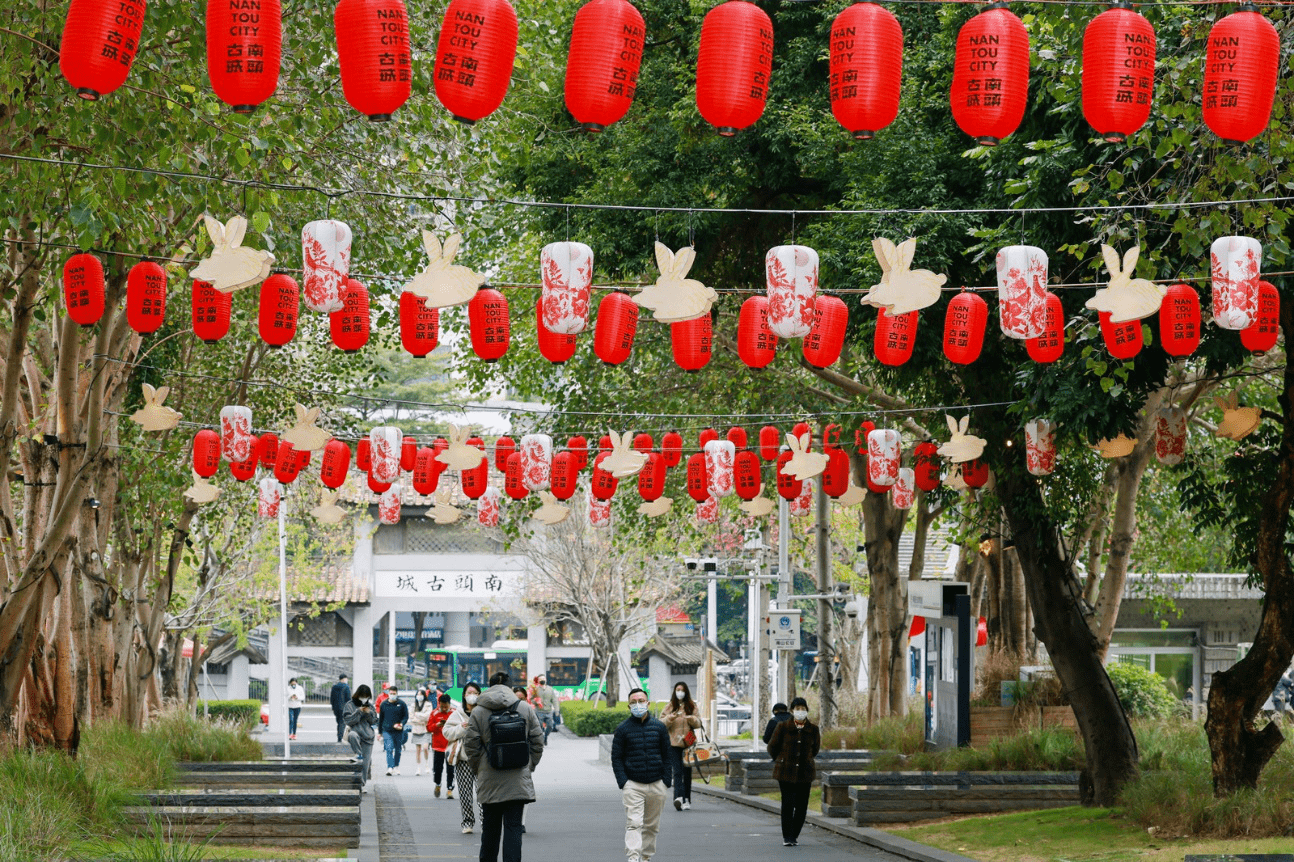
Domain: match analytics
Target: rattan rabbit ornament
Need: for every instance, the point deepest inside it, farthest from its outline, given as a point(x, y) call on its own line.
point(1237, 422)
point(459, 455)
point(231, 267)
point(1116, 447)
point(442, 511)
point(328, 512)
point(853, 495)
point(442, 283)
point(153, 416)
point(757, 507)
point(675, 297)
point(955, 481)
point(1126, 298)
point(963, 446)
point(304, 436)
point(803, 463)
point(623, 461)
point(202, 491)
point(657, 507)
point(902, 289)
point(551, 512)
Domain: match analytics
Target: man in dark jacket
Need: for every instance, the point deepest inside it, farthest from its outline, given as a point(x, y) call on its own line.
point(640, 760)
point(392, 716)
point(503, 793)
point(780, 714)
point(337, 697)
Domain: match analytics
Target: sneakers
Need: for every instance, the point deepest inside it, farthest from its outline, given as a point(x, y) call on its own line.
point(687, 805)
point(438, 791)
point(364, 789)
point(467, 830)
point(678, 804)
point(390, 772)
point(397, 770)
point(449, 794)
point(418, 771)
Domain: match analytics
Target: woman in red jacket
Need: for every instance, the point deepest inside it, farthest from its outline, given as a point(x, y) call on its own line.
point(439, 745)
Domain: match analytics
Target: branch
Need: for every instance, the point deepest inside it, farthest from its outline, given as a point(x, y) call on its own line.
point(877, 396)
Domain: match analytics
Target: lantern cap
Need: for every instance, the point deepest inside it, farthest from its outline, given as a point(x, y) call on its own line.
point(464, 120)
point(379, 118)
point(1120, 4)
point(243, 109)
point(864, 134)
point(989, 140)
point(88, 94)
point(1113, 137)
point(593, 127)
point(727, 131)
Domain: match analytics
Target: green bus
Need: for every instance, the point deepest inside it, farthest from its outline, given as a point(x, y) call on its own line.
point(451, 669)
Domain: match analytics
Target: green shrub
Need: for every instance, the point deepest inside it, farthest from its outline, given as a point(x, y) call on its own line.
point(586, 718)
point(189, 737)
point(1033, 750)
point(1142, 692)
point(246, 712)
point(905, 734)
point(51, 799)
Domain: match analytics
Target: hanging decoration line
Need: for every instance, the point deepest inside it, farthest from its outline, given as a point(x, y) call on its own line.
point(485, 201)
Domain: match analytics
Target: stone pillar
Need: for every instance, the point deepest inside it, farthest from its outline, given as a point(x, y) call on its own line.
point(458, 628)
point(362, 649)
point(536, 651)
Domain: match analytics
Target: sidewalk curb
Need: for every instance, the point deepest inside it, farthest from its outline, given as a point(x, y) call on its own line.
point(864, 835)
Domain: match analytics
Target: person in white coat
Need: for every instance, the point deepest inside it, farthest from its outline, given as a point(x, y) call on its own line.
point(454, 731)
point(296, 700)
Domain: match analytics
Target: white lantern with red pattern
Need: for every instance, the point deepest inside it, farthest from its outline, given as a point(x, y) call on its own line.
point(267, 503)
point(1237, 268)
point(566, 270)
point(1022, 291)
point(1040, 447)
point(802, 505)
point(236, 438)
point(1170, 435)
point(385, 442)
point(388, 505)
point(884, 447)
point(487, 508)
point(791, 272)
point(707, 511)
point(599, 513)
point(904, 488)
point(719, 475)
point(325, 263)
point(536, 461)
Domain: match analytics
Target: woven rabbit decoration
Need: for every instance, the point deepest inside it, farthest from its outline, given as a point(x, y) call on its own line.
point(442, 283)
point(674, 297)
point(902, 289)
point(1117, 447)
point(803, 463)
point(202, 491)
point(304, 436)
point(954, 480)
point(1237, 422)
point(551, 512)
point(231, 267)
point(757, 507)
point(657, 507)
point(153, 416)
point(458, 455)
point(963, 446)
point(623, 461)
point(853, 495)
point(442, 511)
point(1126, 298)
point(328, 512)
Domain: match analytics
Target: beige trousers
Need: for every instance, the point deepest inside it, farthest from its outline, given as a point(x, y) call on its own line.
point(643, 803)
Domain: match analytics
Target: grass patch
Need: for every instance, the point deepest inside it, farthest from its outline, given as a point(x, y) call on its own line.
point(1032, 750)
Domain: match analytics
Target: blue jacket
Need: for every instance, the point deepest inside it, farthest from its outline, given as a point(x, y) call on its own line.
point(338, 696)
point(640, 751)
point(392, 714)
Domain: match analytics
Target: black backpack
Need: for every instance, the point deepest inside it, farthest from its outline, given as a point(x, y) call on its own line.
point(509, 746)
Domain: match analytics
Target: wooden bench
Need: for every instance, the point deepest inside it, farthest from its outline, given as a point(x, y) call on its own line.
point(906, 797)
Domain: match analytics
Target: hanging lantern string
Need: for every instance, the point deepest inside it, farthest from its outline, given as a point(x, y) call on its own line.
point(514, 202)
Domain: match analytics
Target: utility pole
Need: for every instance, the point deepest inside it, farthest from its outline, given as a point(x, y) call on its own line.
point(826, 654)
point(785, 659)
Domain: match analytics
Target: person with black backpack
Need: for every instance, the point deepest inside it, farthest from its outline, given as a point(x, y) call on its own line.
point(503, 745)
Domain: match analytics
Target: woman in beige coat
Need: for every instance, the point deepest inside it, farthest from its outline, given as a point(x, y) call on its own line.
point(681, 717)
point(454, 731)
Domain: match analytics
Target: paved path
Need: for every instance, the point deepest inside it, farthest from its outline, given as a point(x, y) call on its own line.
point(578, 816)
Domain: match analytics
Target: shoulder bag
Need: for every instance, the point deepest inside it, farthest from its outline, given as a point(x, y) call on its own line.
point(702, 753)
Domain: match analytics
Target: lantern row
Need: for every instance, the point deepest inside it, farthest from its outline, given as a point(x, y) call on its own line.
point(477, 47)
point(791, 308)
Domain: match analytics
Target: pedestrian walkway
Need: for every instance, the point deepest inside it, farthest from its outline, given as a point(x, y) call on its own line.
point(578, 816)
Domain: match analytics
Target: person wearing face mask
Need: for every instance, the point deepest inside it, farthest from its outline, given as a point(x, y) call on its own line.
point(544, 699)
point(392, 715)
point(296, 700)
point(682, 718)
point(640, 756)
point(359, 715)
point(454, 729)
point(793, 748)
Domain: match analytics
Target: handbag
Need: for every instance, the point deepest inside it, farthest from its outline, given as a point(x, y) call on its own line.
point(702, 753)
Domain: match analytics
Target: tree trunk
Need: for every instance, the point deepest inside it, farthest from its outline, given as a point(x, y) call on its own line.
point(1122, 527)
point(887, 612)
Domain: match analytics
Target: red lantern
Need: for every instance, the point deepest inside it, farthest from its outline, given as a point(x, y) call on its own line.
point(364, 454)
point(373, 50)
point(747, 474)
point(83, 288)
point(244, 46)
point(1260, 336)
point(866, 69)
point(835, 479)
point(918, 627)
point(613, 337)
point(1049, 346)
point(475, 480)
point(377, 487)
point(895, 337)
point(1123, 340)
point(799, 429)
point(733, 65)
point(206, 453)
point(145, 297)
point(100, 41)
point(512, 483)
point(408, 453)
point(267, 450)
point(991, 76)
point(243, 470)
point(1240, 69)
point(474, 57)
point(604, 445)
point(823, 343)
point(604, 484)
point(788, 487)
point(1118, 73)
point(981, 632)
point(698, 485)
point(578, 446)
point(964, 327)
point(336, 464)
point(975, 473)
point(602, 66)
point(706, 436)
point(643, 443)
point(691, 339)
point(737, 437)
point(210, 312)
point(925, 464)
point(553, 346)
point(651, 478)
point(830, 435)
point(671, 448)
point(490, 328)
point(419, 325)
point(1179, 320)
point(287, 466)
point(756, 343)
point(280, 304)
point(426, 472)
point(770, 442)
point(349, 327)
point(562, 477)
point(503, 447)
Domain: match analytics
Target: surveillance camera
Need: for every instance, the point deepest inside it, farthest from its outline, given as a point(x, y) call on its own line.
point(852, 609)
point(711, 564)
point(691, 563)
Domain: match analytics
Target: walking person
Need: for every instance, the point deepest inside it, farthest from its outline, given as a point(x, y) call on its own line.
point(780, 714)
point(361, 718)
point(682, 718)
point(793, 748)
point(392, 717)
point(543, 698)
point(454, 729)
point(296, 700)
point(418, 732)
point(440, 745)
point(640, 759)
point(338, 696)
point(503, 745)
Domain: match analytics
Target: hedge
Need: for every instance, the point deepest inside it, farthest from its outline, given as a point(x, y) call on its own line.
point(1141, 691)
point(246, 712)
point(586, 718)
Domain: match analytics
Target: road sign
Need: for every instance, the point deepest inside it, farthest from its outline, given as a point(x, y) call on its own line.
point(783, 629)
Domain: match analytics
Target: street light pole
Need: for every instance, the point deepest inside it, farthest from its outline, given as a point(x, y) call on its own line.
point(826, 665)
point(283, 618)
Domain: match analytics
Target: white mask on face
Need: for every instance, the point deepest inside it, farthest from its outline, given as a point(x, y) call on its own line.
point(800, 714)
point(471, 699)
point(637, 710)
point(680, 693)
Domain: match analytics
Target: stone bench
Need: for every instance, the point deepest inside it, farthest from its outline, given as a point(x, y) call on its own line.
point(244, 797)
point(286, 826)
point(906, 797)
point(751, 772)
point(319, 774)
